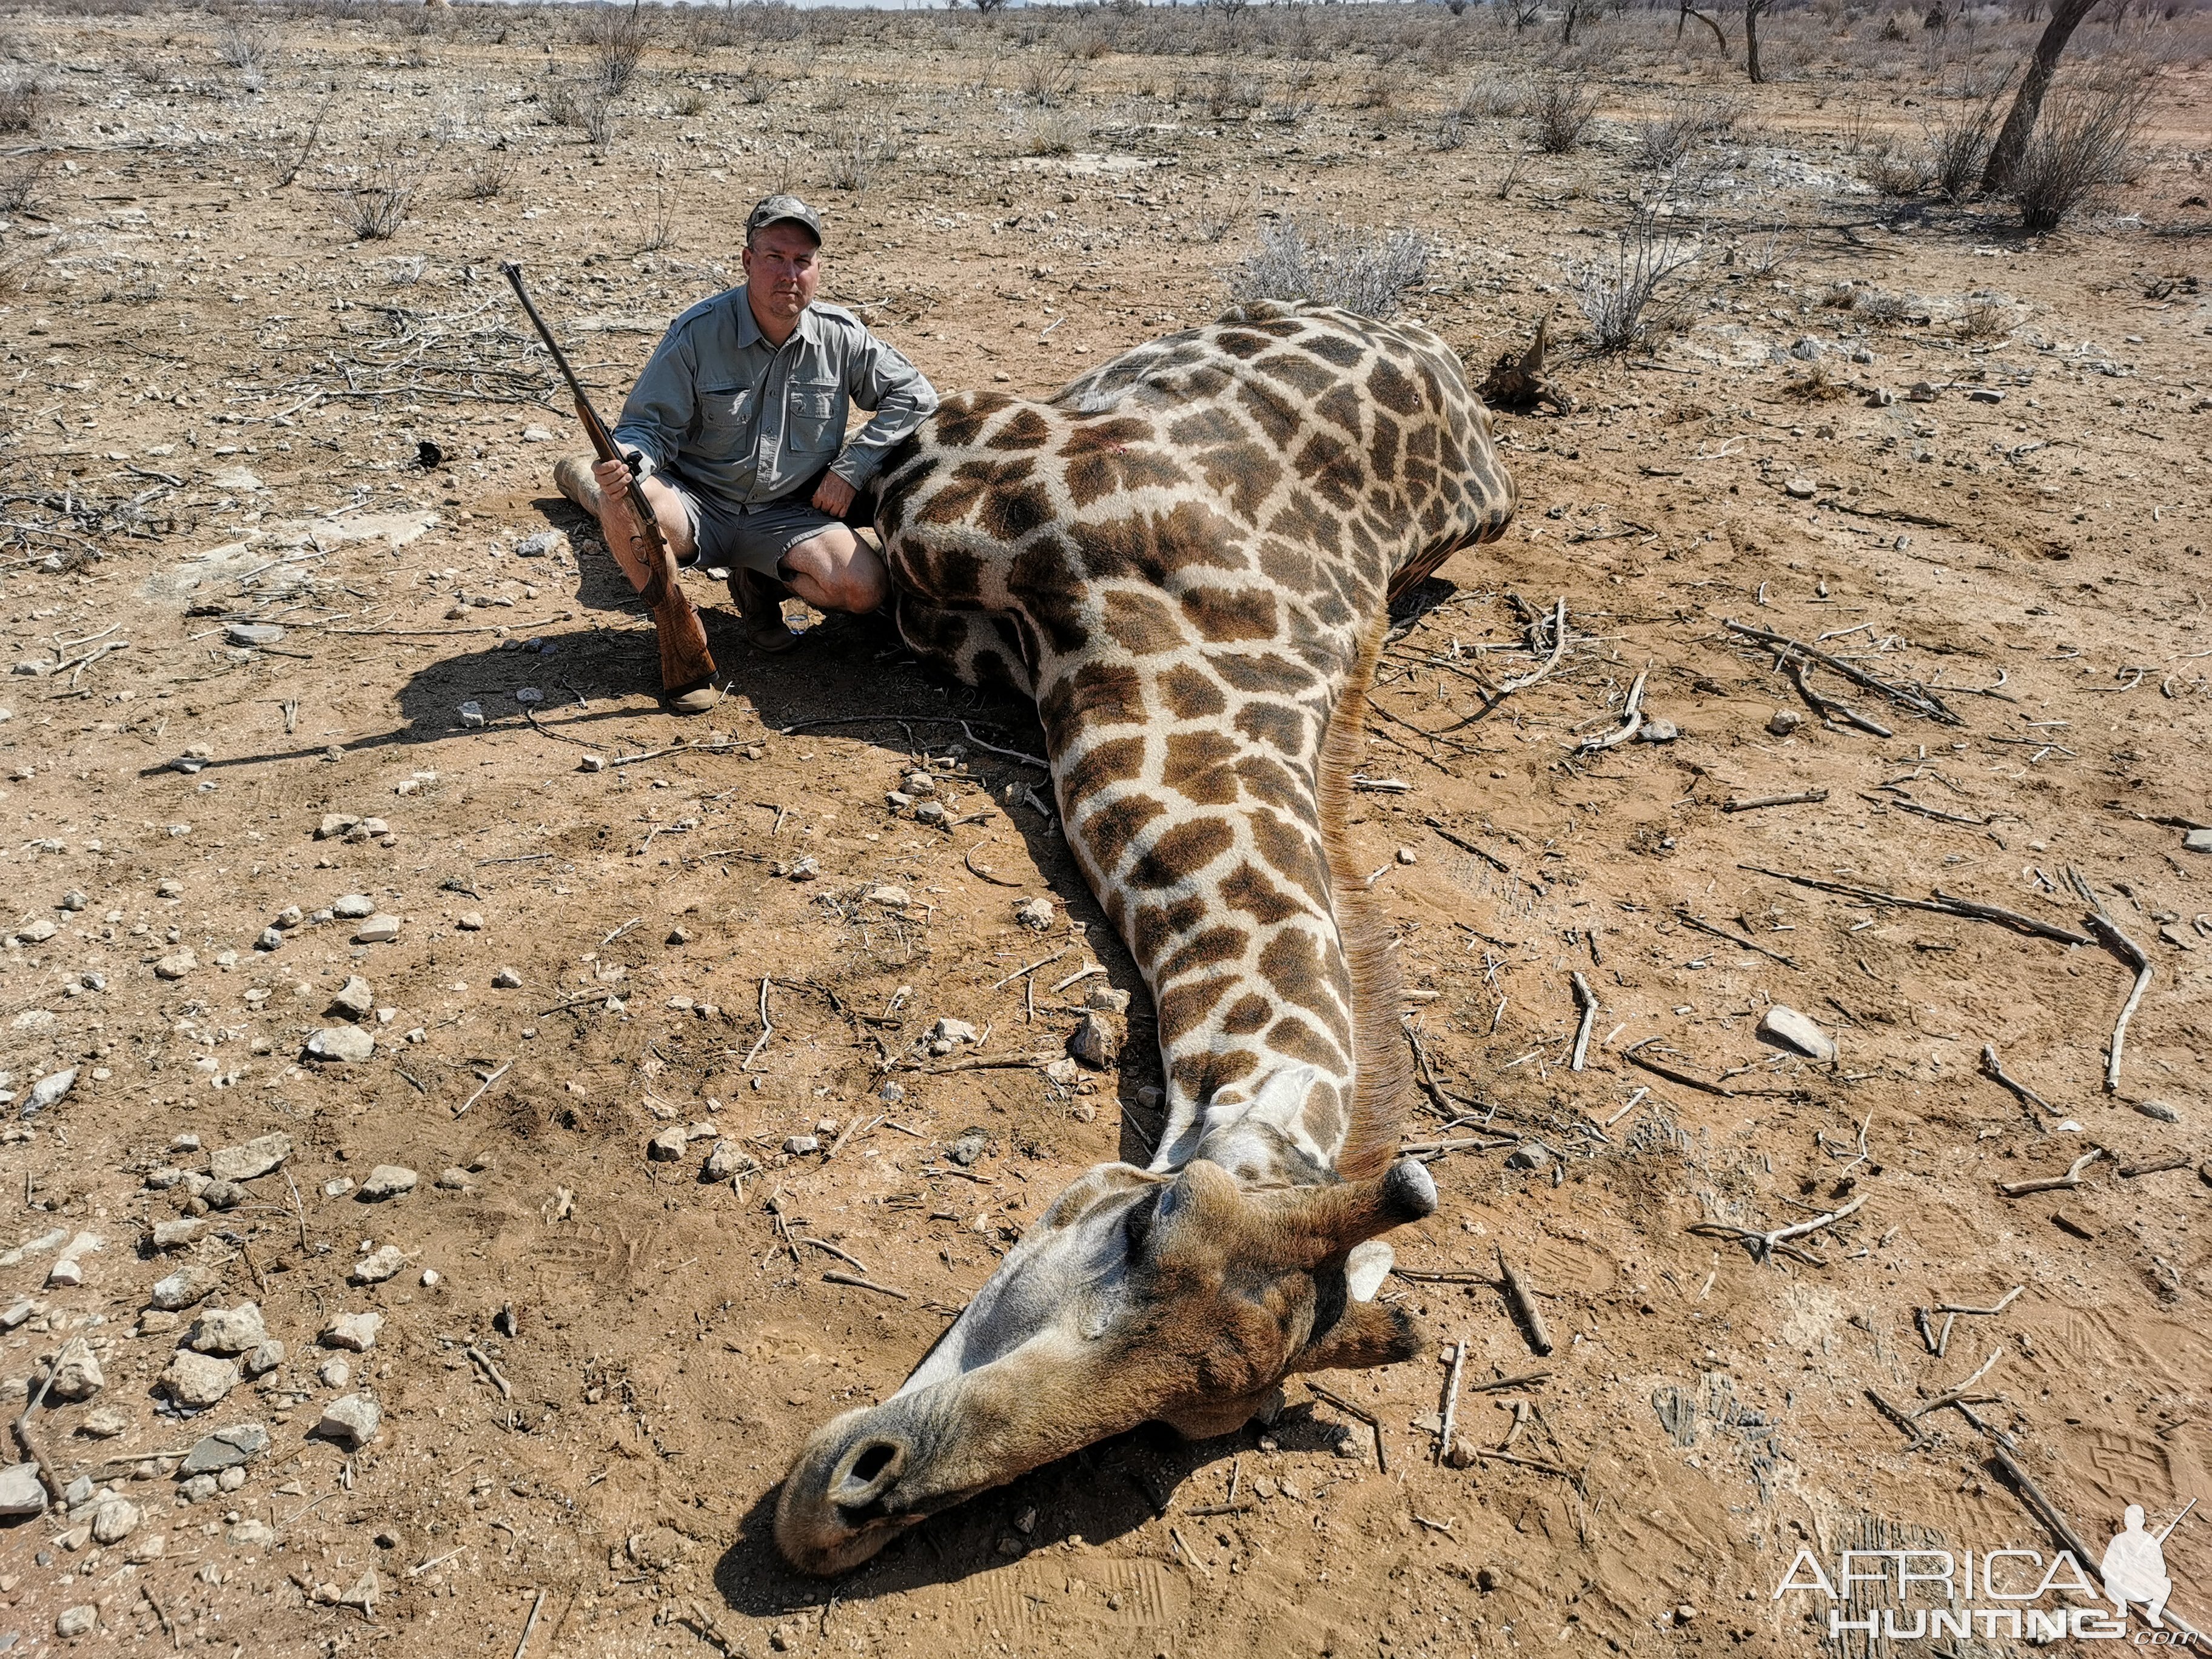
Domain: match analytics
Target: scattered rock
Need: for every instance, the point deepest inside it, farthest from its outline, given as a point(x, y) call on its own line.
point(1788, 1030)
point(2196, 841)
point(1784, 721)
point(355, 1000)
point(341, 1045)
point(48, 1091)
point(265, 1359)
point(667, 1146)
point(252, 633)
point(799, 1146)
point(1986, 394)
point(254, 1535)
point(250, 1159)
point(929, 811)
point(335, 1374)
point(357, 1333)
point(197, 1380)
point(508, 979)
point(727, 1160)
point(378, 929)
point(453, 1180)
point(22, 1492)
point(1529, 1155)
point(1658, 731)
point(971, 1145)
point(78, 1376)
point(175, 1235)
point(199, 1488)
point(104, 1424)
point(335, 825)
point(226, 1448)
point(1107, 1000)
point(76, 1622)
point(1462, 1454)
point(546, 544)
point(1094, 1042)
point(229, 1330)
point(352, 907)
point(269, 939)
point(892, 898)
point(472, 714)
point(183, 1288)
point(1802, 489)
point(388, 1181)
point(2158, 1111)
point(1036, 913)
point(176, 965)
point(378, 1265)
point(952, 1031)
point(352, 1421)
point(114, 1521)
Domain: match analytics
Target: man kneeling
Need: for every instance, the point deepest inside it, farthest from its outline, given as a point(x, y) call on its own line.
point(737, 428)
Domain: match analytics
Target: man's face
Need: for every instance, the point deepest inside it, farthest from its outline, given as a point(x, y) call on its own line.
point(783, 266)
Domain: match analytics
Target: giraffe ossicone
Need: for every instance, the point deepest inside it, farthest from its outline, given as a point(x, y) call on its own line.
point(1186, 557)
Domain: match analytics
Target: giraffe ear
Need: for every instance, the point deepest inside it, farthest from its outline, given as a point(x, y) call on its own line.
point(1368, 1333)
point(1339, 1217)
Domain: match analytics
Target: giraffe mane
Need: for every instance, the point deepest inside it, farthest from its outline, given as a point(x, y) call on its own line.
point(1379, 1063)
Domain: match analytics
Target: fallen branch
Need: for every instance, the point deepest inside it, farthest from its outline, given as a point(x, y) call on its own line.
point(1997, 1074)
point(2108, 933)
point(1657, 1069)
point(1631, 720)
point(1917, 698)
point(2052, 1183)
point(1753, 803)
point(835, 1277)
point(2001, 1304)
point(1375, 1423)
point(1960, 1391)
point(1451, 1398)
point(1763, 1245)
point(1943, 904)
point(1507, 688)
point(1587, 999)
point(1523, 1295)
point(1526, 1379)
point(1705, 926)
point(1831, 710)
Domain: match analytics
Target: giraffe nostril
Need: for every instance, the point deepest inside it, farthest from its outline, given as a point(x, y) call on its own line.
point(871, 1469)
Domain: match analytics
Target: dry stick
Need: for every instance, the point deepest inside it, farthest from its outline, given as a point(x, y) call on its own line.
point(1469, 1144)
point(167, 1629)
point(767, 1031)
point(1587, 1000)
point(842, 1255)
point(1911, 1429)
point(536, 1607)
point(857, 1126)
point(1705, 926)
point(1466, 846)
point(23, 1423)
point(1917, 698)
point(1764, 1244)
point(1451, 1398)
point(486, 1083)
point(1523, 1295)
point(1753, 803)
point(1942, 905)
point(1526, 1379)
point(1673, 1076)
point(834, 1277)
point(983, 873)
point(1040, 962)
point(1541, 1465)
point(1995, 1073)
point(1507, 688)
point(2003, 1303)
point(2155, 1166)
point(1834, 713)
point(2108, 933)
point(1382, 1456)
point(2052, 1183)
point(1960, 1391)
point(491, 1372)
point(1631, 720)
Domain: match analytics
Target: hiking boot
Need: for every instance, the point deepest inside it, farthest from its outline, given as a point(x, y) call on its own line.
point(760, 601)
point(572, 477)
point(693, 699)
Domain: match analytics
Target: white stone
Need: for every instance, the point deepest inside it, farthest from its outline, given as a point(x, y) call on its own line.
point(352, 1421)
point(184, 1287)
point(352, 907)
point(198, 1380)
point(22, 1492)
point(176, 965)
point(378, 1265)
point(355, 998)
point(342, 1045)
point(250, 1158)
point(78, 1376)
point(47, 1090)
point(354, 1332)
point(76, 1622)
point(114, 1521)
point(1036, 913)
point(230, 1330)
point(388, 1181)
point(380, 929)
point(1786, 1029)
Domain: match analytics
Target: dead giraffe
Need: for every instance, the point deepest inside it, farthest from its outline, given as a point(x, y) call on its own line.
point(1186, 556)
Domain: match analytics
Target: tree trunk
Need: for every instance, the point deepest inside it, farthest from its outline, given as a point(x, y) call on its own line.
point(1750, 41)
point(2066, 16)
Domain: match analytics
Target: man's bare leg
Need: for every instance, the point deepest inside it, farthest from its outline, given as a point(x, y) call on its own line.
point(836, 570)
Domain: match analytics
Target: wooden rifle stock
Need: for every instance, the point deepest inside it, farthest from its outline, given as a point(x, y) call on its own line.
point(684, 658)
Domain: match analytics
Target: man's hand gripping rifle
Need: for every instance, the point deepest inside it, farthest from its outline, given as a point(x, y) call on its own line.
point(647, 560)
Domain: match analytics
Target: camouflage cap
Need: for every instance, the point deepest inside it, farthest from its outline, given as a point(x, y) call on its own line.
point(779, 210)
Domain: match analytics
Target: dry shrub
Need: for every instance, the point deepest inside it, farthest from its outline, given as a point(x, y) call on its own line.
point(375, 204)
point(244, 46)
point(615, 42)
point(1561, 111)
point(2083, 147)
point(20, 98)
point(1229, 96)
point(1493, 96)
point(1983, 318)
point(1817, 385)
point(1361, 271)
point(1897, 172)
point(1056, 133)
point(690, 101)
point(1049, 82)
point(1627, 296)
point(21, 184)
point(858, 159)
point(488, 173)
point(1959, 141)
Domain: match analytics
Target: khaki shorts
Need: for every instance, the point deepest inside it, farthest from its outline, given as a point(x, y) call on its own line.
point(756, 536)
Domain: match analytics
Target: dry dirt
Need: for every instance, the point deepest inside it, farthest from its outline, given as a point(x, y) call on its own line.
point(216, 401)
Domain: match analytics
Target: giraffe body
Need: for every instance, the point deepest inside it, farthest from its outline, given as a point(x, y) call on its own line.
point(1186, 557)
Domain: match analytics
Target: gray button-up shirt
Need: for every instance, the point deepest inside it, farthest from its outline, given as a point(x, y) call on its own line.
point(745, 421)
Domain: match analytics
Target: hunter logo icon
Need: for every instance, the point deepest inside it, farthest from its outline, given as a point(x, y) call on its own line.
point(2134, 1567)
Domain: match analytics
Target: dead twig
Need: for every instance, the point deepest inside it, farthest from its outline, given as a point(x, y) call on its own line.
point(1973, 909)
point(494, 1078)
point(491, 1372)
point(1631, 720)
point(1998, 1307)
point(2101, 923)
point(834, 1277)
point(1705, 926)
point(1755, 803)
point(2052, 1183)
point(1587, 999)
point(1375, 1423)
point(1764, 1244)
point(1997, 1074)
point(1917, 698)
point(1522, 1295)
point(1451, 1398)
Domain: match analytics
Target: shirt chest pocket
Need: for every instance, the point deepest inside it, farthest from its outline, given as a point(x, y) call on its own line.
point(726, 419)
point(810, 416)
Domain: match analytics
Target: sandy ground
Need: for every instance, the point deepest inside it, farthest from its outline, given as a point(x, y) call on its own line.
point(591, 1366)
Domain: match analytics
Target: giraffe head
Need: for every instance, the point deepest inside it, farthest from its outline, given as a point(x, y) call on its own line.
point(1181, 1298)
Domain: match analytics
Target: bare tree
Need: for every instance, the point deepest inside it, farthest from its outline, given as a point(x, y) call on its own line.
point(1687, 12)
point(1752, 11)
point(1580, 11)
point(2066, 16)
